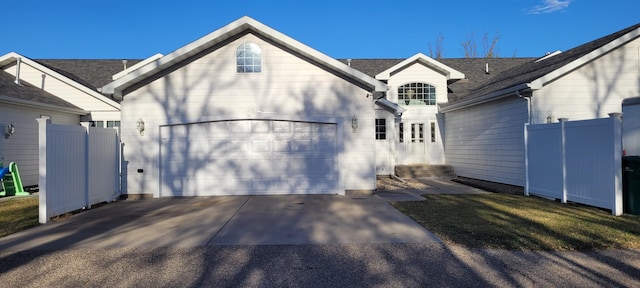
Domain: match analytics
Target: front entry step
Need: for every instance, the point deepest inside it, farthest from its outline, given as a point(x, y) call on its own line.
point(424, 170)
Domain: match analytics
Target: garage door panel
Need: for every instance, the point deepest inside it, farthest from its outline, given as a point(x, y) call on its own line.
point(258, 146)
point(281, 145)
point(249, 157)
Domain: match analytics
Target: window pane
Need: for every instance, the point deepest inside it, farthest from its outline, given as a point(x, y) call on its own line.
point(433, 132)
point(417, 94)
point(381, 129)
point(413, 133)
point(248, 58)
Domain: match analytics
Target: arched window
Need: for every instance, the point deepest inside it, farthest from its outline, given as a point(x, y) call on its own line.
point(417, 94)
point(248, 58)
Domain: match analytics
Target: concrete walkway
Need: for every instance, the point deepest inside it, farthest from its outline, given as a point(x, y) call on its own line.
point(432, 186)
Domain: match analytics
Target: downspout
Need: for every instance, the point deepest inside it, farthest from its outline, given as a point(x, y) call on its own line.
point(526, 146)
point(529, 108)
point(18, 62)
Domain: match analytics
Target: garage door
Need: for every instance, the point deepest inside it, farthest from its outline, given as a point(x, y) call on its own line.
point(248, 157)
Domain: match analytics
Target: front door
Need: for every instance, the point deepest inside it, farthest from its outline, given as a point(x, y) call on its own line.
point(417, 147)
point(412, 148)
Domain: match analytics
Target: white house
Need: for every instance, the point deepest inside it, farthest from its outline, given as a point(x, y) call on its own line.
point(484, 131)
point(248, 110)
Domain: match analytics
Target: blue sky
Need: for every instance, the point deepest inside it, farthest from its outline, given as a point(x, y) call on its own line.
point(116, 29)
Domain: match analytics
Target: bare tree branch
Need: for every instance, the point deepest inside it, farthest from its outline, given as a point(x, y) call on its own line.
point(438, 51)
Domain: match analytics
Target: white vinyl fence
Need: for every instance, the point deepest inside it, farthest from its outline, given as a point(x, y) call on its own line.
point(79, 167)
point(578, 161)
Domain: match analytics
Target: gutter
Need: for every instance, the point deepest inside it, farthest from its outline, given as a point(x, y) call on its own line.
point(34, 104)
point(487, 98)
point(391, 107)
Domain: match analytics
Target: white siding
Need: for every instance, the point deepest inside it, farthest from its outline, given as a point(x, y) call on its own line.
point(486, 141)
point(67, 92)
point(385, 150)
point(22, 146)
point(210, 89)
point(593, 90)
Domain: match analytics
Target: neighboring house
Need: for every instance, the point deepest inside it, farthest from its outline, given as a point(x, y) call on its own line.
point(248, 110)
point(484, 131)
point(65, 85)
point(31, 89)
point(20, 104)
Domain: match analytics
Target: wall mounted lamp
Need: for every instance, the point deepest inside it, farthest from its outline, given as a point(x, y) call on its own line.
point(140, 126)
point(354, 123)
point(10, 130)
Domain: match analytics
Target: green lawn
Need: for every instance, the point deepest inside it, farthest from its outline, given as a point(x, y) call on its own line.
point(18, 214)
point(522, 223)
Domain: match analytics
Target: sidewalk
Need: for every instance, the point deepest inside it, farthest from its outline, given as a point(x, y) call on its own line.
point(398, 190)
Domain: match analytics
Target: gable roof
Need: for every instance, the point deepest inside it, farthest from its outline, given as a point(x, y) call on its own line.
point(59, 74)
point(474, 69)
point(93, 73)
point(537, 73)
point(238, 27)
point(28, 95)
point(437, 66)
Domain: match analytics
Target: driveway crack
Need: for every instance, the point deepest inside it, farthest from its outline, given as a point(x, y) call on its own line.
point(228, 220)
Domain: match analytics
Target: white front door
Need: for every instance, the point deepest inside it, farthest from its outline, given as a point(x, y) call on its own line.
point(412, 140)
point(417, 147)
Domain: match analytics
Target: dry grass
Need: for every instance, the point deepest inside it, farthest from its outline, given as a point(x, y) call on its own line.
point(522, 223)
point(18, 214)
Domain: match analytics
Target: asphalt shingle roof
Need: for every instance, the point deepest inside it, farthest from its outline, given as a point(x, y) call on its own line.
point(503, 72)
point(28, 92)
point(93, 73)
point(533, 70)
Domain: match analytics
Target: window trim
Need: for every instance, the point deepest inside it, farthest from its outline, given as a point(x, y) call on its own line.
point(433, 131)
point(254, 56)
point(381, 129)
point(426, 94)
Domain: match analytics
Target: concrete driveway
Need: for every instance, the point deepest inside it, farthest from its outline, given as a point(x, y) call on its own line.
point(228, 220)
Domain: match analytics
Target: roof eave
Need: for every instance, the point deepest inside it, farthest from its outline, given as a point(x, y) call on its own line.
point(234, 28)
point(487, 98)
point(438, 66)
point(567, 68)
point(35, 104)
point(12, 56)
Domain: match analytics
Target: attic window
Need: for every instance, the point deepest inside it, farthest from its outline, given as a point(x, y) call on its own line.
point(417, 94)
point(248, 58)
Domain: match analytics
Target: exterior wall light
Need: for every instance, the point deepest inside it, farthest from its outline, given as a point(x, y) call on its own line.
point(10, 130)
point(354, 123)
point(140, 126)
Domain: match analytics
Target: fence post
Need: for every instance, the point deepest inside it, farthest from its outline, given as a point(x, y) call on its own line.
point(87, 185)
point(616, 119)
point(43, 209)
point(563, 152)
point(526, 159)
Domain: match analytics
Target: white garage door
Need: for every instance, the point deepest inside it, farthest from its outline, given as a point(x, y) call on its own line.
point(248, 157)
